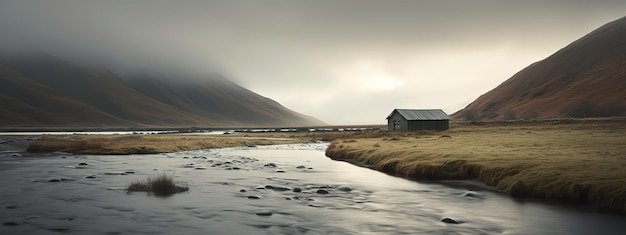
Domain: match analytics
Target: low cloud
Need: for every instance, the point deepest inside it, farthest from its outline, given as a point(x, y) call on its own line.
point(345, 62)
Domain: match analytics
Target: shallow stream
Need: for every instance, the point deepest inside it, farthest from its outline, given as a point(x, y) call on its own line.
point(286, 189)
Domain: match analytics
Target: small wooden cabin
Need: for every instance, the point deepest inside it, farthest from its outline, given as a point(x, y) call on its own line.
point(417, 120)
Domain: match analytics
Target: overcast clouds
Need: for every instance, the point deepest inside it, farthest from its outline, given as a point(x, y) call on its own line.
point(344, 62)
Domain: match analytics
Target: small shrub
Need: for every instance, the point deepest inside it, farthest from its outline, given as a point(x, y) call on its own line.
point(469, 115)
point(539, 93)
point(581, 109)
point(585, 108)
point(376, 145)
point(490, 106)
point(509, 115)
point(160, 185)
point(532, 114)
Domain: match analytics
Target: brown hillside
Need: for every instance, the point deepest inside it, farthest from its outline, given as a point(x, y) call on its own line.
point(585, 79)
point(46, 92)
point(220, 99)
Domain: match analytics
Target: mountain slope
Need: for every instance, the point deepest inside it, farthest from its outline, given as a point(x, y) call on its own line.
point(219, 97)
point(43, 91)
point(27, 102)
point(585, 79)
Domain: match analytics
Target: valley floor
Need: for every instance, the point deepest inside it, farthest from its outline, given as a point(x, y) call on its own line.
point(579, 160)
point(574, 160)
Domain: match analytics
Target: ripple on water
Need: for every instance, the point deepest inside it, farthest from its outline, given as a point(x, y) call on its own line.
point(257, 200)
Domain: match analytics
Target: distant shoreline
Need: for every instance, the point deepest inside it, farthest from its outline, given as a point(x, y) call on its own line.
point(164, 143)
point(181, 129)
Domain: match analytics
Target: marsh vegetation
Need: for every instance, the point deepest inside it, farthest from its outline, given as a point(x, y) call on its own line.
point(145, 144)
point(160, 185)
point(168, 143)
point(574, 160)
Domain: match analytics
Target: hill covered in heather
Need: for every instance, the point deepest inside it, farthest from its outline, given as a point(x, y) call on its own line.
point(587, 78)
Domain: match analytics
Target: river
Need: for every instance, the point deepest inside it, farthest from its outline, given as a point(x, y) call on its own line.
point(252, 190)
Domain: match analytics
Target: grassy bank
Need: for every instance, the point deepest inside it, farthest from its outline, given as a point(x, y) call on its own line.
point(573, 160)
point(165, 143)
point(147, 144)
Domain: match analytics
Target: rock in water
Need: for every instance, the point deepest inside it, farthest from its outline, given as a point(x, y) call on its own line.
point(322, 191)
point(344, 188)
point(449, 221)
point(264, 213)
point(280, 188)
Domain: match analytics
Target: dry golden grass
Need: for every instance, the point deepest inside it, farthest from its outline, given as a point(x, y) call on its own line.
point(160, 185)
point(148, 144)
point(574, 160)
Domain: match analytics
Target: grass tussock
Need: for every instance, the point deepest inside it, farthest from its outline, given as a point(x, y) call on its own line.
point(160, 185)
point(579, 161)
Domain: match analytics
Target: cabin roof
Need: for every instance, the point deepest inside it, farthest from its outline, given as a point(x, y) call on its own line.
point(421, 114)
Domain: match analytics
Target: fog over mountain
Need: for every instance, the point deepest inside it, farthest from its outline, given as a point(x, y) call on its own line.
point(42, 91)
point(345, 62)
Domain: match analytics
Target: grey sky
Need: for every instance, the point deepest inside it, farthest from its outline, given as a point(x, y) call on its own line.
point(344, 62)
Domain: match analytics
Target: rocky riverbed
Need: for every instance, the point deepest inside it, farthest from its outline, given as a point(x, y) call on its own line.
point(284, 189)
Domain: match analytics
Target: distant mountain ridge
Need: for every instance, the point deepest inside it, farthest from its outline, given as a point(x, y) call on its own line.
point(587, 78)
point(44, 91)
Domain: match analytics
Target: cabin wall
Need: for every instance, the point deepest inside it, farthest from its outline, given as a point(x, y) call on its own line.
point(397, 123)
point(419, 125)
